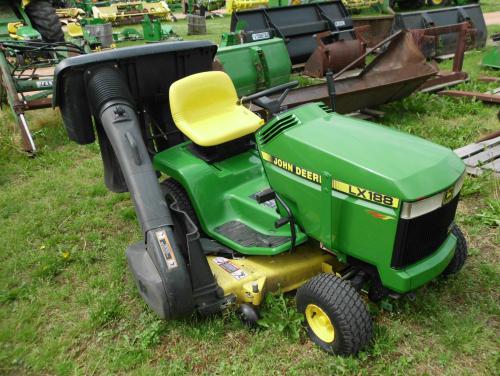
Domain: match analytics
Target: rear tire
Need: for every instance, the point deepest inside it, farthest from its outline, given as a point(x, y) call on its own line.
point(336, 317)
point(174, 188)
point(457, 262)
point(44, 19)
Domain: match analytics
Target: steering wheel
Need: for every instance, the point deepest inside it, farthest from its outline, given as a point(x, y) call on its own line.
point(272, 106)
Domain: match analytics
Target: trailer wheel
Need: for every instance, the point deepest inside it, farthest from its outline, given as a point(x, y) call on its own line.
point(174, 188)
point(44, 19)
point(457, 262)
point(336, 317)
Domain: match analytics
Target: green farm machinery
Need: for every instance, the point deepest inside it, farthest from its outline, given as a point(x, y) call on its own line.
point(492, 58)
point(30, 20)
point(31, 42)
point(26, 69)
point(302, 199)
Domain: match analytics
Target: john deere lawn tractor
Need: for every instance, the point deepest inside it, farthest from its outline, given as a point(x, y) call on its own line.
point(303, 199)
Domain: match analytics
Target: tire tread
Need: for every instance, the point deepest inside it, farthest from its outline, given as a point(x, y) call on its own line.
point(44, 19)
point(458, 261)
point(173, 187)
point(354, 321)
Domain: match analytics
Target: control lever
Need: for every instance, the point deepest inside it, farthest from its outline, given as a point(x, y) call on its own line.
point(331, 89)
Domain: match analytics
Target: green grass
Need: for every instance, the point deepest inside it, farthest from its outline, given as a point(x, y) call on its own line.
point(68, 305)
point(489, 6)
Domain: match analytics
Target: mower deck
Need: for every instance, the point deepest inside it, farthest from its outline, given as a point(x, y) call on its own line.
point(248, 279)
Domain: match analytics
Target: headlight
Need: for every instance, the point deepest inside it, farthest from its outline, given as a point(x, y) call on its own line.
point(417, 208)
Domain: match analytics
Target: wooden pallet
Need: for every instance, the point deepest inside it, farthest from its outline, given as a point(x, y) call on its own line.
point(481, 157)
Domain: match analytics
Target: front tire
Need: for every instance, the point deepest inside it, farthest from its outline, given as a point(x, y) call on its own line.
point(457, 262)
point(44, 19)
point(336, 317)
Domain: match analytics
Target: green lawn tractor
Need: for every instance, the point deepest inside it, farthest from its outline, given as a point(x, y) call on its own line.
point(304, 200)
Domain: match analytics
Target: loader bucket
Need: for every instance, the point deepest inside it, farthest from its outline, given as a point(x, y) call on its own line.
point(255, 66)
point(395, 74)
point(333, 56)
point(392, 75)
point(296, 25)
point(442, 18)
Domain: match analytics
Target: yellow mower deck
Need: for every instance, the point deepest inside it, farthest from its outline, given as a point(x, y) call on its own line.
point(251, 277)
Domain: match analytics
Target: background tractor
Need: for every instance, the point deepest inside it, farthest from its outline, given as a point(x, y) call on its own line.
point(19, 18)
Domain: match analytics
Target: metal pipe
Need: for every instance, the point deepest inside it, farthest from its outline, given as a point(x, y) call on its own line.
point(16, 105)
point(113, 107)
point(21, 120)
point(23, 85)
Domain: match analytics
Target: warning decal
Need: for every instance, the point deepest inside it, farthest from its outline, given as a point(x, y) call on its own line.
point(166, 249)
point(229, 267)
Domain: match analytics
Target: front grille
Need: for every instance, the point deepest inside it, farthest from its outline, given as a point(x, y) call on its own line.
point(419, 237)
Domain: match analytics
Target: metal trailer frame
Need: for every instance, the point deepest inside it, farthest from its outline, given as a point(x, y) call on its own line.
point(445, 79)
point(28, 85)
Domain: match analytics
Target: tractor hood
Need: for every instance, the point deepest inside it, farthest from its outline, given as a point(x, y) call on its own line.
point(309, 141)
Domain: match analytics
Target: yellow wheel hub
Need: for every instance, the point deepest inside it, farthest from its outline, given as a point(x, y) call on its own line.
point(320, 323)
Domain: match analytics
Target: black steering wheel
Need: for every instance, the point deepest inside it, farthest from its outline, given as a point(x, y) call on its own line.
point(272, 106)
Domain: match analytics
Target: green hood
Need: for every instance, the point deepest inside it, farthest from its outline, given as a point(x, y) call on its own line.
point(362, 153)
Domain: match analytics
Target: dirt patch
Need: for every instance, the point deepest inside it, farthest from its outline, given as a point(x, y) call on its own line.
point(492, 18)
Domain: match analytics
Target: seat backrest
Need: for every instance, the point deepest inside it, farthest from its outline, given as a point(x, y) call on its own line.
point(201, 96)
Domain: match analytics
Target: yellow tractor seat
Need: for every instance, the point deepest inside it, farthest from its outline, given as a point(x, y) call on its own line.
point(205, 108)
